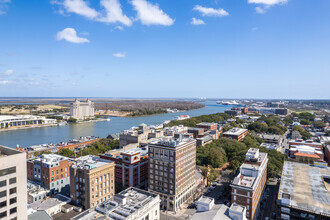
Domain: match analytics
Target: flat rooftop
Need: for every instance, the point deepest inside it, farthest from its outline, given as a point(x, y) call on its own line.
point(7, 151)
point(51, 202)
point(90, 162)
point(172, 142)
point(122, 205)
point(304, 187)
point(235, 131)
point(207, 124)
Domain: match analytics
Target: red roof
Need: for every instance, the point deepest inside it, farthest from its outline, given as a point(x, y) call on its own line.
point(307, 155)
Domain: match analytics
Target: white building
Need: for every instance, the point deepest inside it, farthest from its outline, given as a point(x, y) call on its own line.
point(129, 204)
point(7, 121)
point(51, 205)
point(204, 203)
point(82, 110)
point(13, 184)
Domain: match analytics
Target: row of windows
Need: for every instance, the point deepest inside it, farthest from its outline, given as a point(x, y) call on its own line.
point(4, 182)
point(7, 171)
point(11, 211)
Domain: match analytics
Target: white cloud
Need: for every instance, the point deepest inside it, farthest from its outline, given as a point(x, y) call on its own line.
point(254, 29)
point(267, 2)
point(70, 35)
point(5, 82)
point(119, 28)
point(119, 55)
point(8, 72)
point(4, 6)
point(261, 10)
point(211, 11)
point(80, 7)
point(196, 21)
point(150, 14)
point(114, 13)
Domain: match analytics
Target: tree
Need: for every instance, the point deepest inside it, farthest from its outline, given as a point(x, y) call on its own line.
point(305, 122)
point(216, 157)
point(318, 124)
point(66, 152)
point(305, 134)
point(72, 120)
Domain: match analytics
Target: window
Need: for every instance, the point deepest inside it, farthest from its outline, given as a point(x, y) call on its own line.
point(52, 173)
point(13, 210)
point(235, 191)
point(13, 200)
point(12, 191)
point(3, 183)
point(235, 198)
point(3, 204)
point(3, 193)
point(7, 171)
point(56, 171)
point(12, 180)
point(248, 194)
point(3, 214)
point(61, 170)
point(248, 201)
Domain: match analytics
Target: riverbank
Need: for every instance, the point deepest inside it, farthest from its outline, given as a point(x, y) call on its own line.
point(27, 127)
point(56, 134)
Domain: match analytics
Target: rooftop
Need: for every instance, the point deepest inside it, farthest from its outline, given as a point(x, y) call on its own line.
point(49, 158)
point(207, 124)
point(90, 162)
point(172, 142)
point(122, 205)
point(304, 187)
point(7, 151)
point(235, 131)
point(49, 203)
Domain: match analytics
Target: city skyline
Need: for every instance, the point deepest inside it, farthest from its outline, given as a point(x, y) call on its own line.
point(109, 48)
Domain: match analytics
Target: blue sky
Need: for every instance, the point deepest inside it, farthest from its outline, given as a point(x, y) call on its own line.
point(163, 48)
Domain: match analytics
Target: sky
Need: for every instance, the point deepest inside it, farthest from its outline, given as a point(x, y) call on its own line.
point(165, 48)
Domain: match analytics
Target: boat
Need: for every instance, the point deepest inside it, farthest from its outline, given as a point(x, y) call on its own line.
point(181, 117)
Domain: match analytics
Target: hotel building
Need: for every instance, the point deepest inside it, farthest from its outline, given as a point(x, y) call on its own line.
point(81, 110)
point(172, 170)
point(91, 181)
point(51, 171)
point(248, 185)
point(13, 184)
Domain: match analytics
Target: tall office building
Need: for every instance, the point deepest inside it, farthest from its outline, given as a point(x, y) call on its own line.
point(52, 171)
point(13, 184)
point(249, 184)
point(82, 110)
point(172, 175)
point(92, 181)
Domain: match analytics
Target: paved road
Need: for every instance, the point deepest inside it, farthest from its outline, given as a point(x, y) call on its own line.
point(269, 201)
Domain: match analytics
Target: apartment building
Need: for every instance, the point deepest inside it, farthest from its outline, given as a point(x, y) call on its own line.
point(51, 171)
point(92, 181)
point(172, 174)
point(304, 192)
point(13, 184)
point(132, 203)
point(131, 167)
point(81, 110)
point(248, 185)
point(197, 132)
point(310, 143)
point(236, 134)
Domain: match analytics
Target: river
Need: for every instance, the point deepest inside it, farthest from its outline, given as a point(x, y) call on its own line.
point(35, 136)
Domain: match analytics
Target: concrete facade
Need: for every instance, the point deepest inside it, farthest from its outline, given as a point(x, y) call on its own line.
point(13, 184)
point(82, 110)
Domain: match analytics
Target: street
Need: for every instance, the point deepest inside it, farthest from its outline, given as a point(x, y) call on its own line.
point(268, 201)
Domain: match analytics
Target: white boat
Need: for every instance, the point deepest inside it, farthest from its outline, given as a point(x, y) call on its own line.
point(181, 117)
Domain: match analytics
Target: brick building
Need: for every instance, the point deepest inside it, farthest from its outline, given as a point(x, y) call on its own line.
point(131, 167)
point(91, 181)
point(307, 143)
point(172, 171)
point(51, 171)
point(207, 126)
point(236, 134)
point(249, 184)
point(197, 132)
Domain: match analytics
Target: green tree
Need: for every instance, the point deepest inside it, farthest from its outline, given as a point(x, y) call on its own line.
point(66, 152)
point(305, 134)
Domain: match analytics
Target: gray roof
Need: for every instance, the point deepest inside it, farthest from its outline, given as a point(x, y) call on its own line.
point(39, 215)
point(217, 212)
